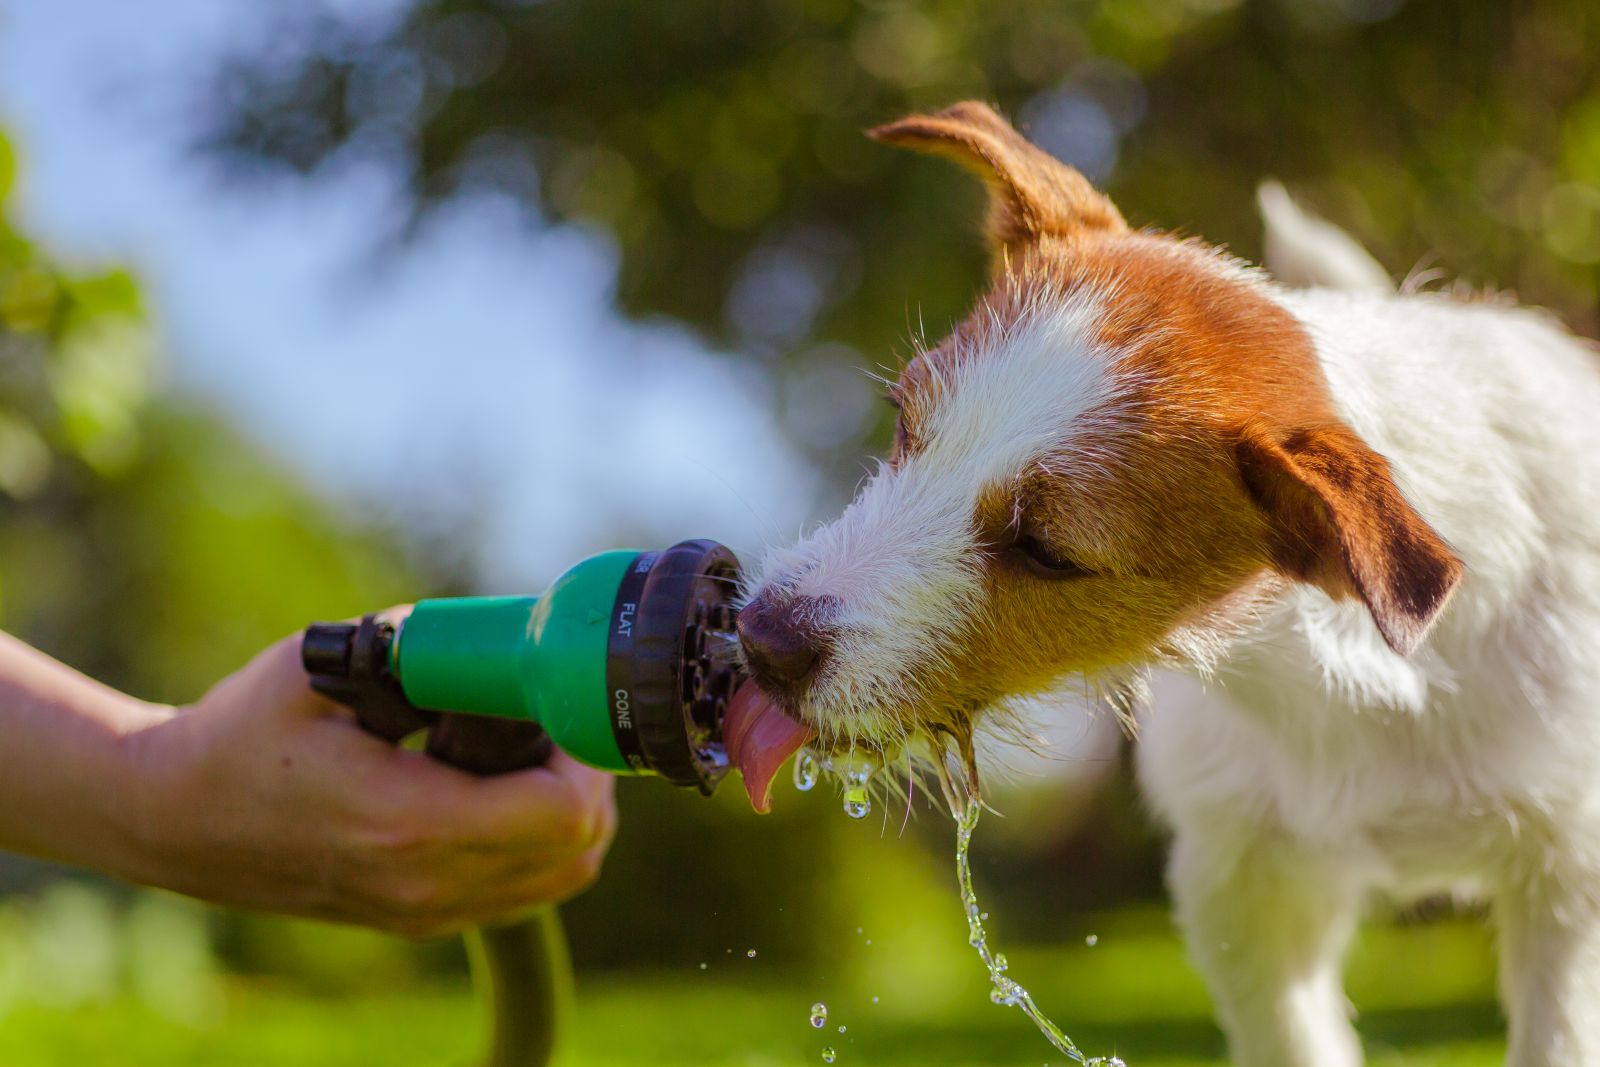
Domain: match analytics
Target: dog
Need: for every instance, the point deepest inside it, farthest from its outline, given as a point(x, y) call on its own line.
point(1370, 520)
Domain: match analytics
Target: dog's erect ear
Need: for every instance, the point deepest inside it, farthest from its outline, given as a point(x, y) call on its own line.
point(1031, 193)
point(1339, 522)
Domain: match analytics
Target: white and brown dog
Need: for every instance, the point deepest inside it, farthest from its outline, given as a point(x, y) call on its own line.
point(1371, 520)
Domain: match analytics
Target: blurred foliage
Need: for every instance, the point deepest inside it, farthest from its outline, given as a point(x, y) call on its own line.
point(141, 539)
point(718, 141)
point(73, 946)
point(1425, 996)
point(75, 367)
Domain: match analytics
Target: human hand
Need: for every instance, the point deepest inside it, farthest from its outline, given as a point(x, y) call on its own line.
point(265, 795)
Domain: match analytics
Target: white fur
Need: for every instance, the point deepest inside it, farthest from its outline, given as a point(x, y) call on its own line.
point(1333, 768)
point(901, 565)
point(1303, 250)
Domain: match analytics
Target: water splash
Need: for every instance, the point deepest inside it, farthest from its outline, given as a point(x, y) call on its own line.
point(1006, 991)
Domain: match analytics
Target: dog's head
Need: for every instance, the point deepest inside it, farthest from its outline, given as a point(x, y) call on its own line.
point(1124, 443)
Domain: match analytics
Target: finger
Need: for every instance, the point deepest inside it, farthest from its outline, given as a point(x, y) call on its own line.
point(274, 679)
point(533, 809)
point(598, 787)
point(538, 887)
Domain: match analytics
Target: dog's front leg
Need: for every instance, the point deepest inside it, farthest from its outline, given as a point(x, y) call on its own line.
point(1550, 967)
point(1267, 922)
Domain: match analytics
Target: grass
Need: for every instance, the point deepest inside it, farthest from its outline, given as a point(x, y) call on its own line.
point(1425, 994)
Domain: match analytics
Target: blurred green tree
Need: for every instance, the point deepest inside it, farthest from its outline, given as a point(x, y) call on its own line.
point(141, 539)
point(75, 367)
point(718, 141)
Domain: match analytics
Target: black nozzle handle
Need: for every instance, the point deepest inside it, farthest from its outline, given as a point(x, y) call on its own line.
point(524, 963)
point(349, 663)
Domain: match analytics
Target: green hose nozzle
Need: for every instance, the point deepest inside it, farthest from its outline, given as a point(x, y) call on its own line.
point(627, 661)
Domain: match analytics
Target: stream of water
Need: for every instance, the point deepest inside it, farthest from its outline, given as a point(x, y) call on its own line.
point(855, 775)
point(1006, 990)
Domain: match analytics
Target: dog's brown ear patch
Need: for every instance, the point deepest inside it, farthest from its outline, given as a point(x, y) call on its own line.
point(1339, 522)
point(1031, 193)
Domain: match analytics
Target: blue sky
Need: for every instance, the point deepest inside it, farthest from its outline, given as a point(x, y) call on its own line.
point(509, 395)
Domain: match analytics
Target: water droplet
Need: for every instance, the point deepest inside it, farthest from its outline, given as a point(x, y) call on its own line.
point(1001, 964)
point(1092, 940)
point(856, 804)
point(819, 1015)
point(1005, 991)
point(751, 953)
point(702, 966)
point(805, 770)
point(843, 1028)
point(828, 1055)
point(874, 1000)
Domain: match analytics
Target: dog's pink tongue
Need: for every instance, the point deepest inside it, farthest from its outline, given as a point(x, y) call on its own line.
point(759, 737)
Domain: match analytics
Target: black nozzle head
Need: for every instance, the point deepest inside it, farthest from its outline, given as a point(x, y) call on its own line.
point(681, 664)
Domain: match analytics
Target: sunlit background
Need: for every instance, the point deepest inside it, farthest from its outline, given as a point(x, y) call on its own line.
point(315, 306)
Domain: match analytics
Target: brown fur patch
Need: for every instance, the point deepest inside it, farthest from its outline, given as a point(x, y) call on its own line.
point(1340, 523)
point(1033, 194)
point(1227, 460)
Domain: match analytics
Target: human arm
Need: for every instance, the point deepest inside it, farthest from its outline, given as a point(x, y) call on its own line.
point(264, 795)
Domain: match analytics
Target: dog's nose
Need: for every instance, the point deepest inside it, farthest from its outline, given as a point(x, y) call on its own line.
point(782, 642)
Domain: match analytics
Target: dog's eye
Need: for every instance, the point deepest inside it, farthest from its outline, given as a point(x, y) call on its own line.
point(1042, 560)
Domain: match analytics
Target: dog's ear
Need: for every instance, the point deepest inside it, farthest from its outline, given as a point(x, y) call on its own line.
point(1031, 193)
point(1339, 522)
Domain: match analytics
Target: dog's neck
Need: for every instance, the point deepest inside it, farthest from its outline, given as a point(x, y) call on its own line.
point(1435, 385)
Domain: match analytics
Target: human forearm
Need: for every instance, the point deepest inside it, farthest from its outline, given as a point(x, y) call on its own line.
point(68, 790)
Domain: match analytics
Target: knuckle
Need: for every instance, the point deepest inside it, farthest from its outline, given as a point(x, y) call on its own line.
point(570, 825)
point(576, 877)
point(418, 927)
point(395, 830)
point(587, 869)
point(413, 899)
